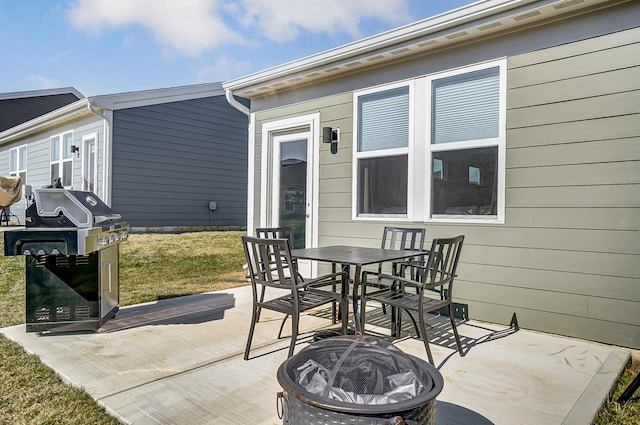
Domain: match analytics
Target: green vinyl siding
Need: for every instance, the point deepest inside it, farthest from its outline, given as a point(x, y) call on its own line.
point(567, 258)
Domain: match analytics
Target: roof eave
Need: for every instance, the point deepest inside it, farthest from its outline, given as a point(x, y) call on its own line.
point(463, 25)
point(61, 115)
point(371, 44)
point(156, 96)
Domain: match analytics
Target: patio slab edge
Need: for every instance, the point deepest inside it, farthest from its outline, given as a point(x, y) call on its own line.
point(595, 395)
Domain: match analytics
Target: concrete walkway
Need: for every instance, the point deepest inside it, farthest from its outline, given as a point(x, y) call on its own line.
point(179, 361)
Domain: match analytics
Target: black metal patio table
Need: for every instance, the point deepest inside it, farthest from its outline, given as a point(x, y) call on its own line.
point(357, 257)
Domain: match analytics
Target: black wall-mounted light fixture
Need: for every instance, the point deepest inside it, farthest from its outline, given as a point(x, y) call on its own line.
point(75, 149)
point(331, 135)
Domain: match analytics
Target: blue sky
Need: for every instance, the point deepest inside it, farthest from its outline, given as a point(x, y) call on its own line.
point(114, 46)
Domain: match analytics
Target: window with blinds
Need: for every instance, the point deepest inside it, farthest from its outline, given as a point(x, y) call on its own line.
point(432, 148)
point(466, 107)
point(383, 119)
point(381, 157)
point(465, 114)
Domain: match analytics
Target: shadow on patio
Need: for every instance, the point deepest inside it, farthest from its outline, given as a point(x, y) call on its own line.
point(180, 361)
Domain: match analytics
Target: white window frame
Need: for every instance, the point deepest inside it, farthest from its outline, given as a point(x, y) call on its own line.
point(383, 153)
point(61, 157)
point(420, 150)
point(18, 169)
point(85, 142)
point(499, 141)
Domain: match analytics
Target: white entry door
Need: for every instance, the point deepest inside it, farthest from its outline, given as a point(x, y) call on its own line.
point(289, 180)
point(291, 191)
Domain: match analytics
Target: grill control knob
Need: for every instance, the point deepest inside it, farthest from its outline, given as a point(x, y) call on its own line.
point(55, 252)
point(41, 252)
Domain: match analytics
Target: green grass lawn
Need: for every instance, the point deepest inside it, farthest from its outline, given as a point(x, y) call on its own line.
point(152, 267)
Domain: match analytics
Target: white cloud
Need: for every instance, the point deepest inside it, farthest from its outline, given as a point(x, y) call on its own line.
point(41, 81)
point(283, 20)
point(189, 26)
point(222, 69)
point(195, 26)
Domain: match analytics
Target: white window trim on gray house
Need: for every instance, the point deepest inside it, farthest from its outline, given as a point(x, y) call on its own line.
point(61, 155)
point(420, 150)
point(18, 162)
point(89, 175)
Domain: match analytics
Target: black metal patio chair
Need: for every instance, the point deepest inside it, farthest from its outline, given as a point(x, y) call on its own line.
point(434, 288)
point(271, 266)
point(398, 238)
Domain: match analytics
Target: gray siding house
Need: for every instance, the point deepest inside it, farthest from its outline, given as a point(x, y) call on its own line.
point(515, 123)
point(166, 160)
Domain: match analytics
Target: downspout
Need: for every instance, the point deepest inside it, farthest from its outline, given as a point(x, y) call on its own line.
point(250, 157)
point(108, 150)
point(233, 102)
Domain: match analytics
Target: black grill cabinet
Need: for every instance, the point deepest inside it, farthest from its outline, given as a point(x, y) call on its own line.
point(71, 248)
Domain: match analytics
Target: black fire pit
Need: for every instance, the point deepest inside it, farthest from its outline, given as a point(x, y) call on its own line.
point(357, 380)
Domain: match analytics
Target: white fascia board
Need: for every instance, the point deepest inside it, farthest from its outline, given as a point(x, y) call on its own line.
point(371, 44)
point(156, 96)
point(44, 92)
point(60, 115)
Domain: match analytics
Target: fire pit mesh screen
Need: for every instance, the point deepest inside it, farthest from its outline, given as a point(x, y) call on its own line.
point(353, 377)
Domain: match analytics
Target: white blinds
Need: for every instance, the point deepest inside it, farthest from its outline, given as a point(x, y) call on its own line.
point(383, 120)
point(466, 107)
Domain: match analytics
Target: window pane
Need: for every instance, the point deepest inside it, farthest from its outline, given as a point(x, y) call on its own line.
point(89, 165)
point(382, 185)
point(66, 175)
point(55, 148)
point(22, 160)
point(383, 120)
point(55, 171)
point(13, 160)
point(293, 188)
point(466, 107)
point(456, 194)
point(67, 141)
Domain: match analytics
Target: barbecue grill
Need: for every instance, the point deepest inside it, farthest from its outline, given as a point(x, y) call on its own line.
point(71, 247)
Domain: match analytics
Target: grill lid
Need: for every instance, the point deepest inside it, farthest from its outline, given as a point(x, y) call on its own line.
point(68, 208)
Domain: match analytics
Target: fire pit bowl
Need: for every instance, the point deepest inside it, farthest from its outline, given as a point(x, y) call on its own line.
point(357, 380)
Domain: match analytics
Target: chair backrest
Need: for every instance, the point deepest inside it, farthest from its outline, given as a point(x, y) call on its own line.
point(405, 238)
point(269, 261)
point(276, 233)
point(443, 260)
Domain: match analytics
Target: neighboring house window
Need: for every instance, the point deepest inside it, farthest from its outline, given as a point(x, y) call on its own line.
point(382, 151)
point(18, 162)
point(62, 158)
point(466, 133)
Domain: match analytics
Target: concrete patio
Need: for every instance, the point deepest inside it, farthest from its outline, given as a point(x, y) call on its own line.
point(179, 361)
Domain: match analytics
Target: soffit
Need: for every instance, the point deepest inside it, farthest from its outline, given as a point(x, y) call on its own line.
point(479, 20)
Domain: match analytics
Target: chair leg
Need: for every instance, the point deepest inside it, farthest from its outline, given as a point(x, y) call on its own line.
point(455, 331)
point(425, 338)
point(294, 333)
point(261, 300)
point(254, 315)
point(282, 326)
